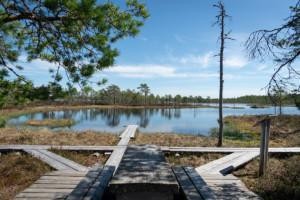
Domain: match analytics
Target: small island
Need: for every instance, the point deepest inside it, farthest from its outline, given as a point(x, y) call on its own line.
point(52, 123)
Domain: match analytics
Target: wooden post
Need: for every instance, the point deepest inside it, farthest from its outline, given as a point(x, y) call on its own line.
point(264, 145)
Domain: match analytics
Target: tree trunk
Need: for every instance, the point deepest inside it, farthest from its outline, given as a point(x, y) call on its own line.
point(222, 37)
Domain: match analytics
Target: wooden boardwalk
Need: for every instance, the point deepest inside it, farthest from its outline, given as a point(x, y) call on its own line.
point(142, 167)
point(228, 163)
point(73, 181)
point(17, 147)
point(117, 155)
point(69, 185)
point(144, 174)
point(53, 185)
point(227, 149)
point(213, 181)
point(211, 186)
point(56, 161)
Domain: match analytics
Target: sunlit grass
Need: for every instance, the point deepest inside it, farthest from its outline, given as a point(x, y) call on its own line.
point(53, 123)
point(281, 180)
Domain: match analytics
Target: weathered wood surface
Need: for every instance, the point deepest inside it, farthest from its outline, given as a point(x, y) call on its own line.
point(55, 161)
point(53, 185)
point(129, 132)
point(143, 170)
point(60, 147)
point(163, 148)
point(186, 184)
point(228, 149)
point(228, 163)
point(70, 185)
point(93, 185)
point(117, 155)
point(211, 186)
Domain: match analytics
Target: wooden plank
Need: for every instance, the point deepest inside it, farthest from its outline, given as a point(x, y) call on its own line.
point(218, 162)
point(48, 190)
point(129, 131)
point(143, 169)
point(118, 153)
point(70, 163)
point(37, 198)
point(50, 161)
point(163, 148)
point(54, 186)
point(62, 147)
point(67, 182)
point(227, 164)
point(66, 173)
point(82, 188)
point(55, 161)
point(61, 178)
point(199, 183)
point(94, 187)
point(42, 195)
point(227, 149)
point(99, 186)
point(116, 157)
point(230, 167)
point(186, 185)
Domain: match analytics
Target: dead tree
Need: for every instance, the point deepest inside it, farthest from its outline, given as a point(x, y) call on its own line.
point(223, 37)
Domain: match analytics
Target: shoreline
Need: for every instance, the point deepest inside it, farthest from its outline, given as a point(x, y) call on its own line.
point(13, 112)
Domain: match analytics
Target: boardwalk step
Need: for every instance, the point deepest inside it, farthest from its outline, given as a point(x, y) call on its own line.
point(186, 185)
point(228, 163)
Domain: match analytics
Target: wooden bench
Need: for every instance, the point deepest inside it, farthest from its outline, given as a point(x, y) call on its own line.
point(210, 186)
point(192, 185)
point(143, 174)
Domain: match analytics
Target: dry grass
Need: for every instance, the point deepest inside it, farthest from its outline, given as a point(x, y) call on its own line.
point(86, 158)
point(18, 172)
point(282, 180)
point(194, 160)
point(285, 130)
point(172, 139)
point(51, 122)
point(48, 137)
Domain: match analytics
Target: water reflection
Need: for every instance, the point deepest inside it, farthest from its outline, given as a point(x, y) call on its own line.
point(184, 120)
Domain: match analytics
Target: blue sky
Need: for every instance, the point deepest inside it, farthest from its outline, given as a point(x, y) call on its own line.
point(174, 52)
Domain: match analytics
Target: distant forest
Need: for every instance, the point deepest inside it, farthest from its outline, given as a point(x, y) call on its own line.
point(17, 93)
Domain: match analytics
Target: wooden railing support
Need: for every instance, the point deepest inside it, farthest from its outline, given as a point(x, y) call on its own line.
point(264, 145)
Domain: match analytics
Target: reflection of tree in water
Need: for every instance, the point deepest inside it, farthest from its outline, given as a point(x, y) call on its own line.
point(144, 117)
point(170, 113)
point(177, 113)
point(113, 117)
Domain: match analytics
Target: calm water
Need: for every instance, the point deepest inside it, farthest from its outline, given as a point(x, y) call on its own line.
point(183, 120)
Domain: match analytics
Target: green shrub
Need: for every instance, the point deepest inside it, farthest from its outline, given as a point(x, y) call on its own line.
point(231, 133)
point(2, 122)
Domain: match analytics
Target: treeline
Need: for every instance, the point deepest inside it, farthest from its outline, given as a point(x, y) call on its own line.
point(18, 92)
point(284, 99)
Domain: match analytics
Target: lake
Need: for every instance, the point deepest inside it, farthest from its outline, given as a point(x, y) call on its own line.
point(178, 120)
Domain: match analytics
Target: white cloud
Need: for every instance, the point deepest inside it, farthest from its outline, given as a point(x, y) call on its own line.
point(142, 71)
point(201, 60)
point(158, 71)
point(235, 62)
point(36, 66)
